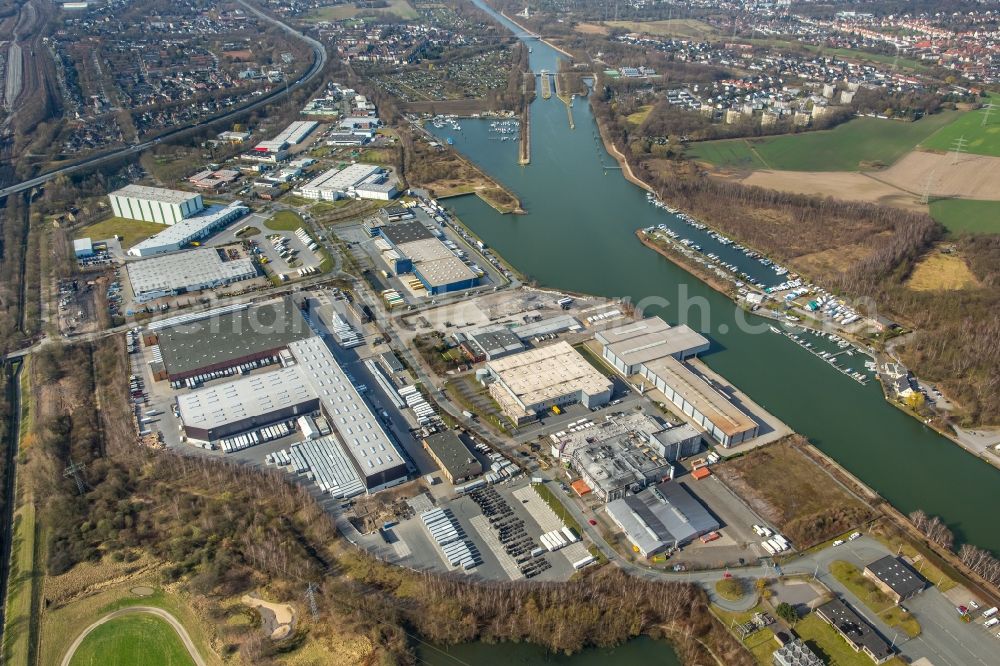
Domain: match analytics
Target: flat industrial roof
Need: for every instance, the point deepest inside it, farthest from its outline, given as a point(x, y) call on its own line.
point(496, 341)
point(246, 397)
point(181, 270)
point(361, 431)
point(642, 342)
point(406, 232)
point(341, 180)
point(190, 346)
point(897, 575)
point(453, 454)
point(437, 264)
point(548, 372)
point(726, 416)
point(155, 194)
point(190, 227)
point(662, 516)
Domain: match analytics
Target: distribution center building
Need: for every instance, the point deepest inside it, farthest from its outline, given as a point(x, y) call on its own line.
point(655, 351)
point(376, 456)
point(227, 340)
point(255, 401)
point(312, 380)
point(533, 381)
point(366, 181)
point(190, 229)
point(432, 262)
point(184, 272)
point(154, 204)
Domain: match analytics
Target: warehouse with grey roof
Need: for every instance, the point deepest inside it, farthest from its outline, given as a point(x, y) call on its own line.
point(661, 517)
point(229, 339)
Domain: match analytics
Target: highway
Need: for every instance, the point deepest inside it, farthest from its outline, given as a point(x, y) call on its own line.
point(319, 62)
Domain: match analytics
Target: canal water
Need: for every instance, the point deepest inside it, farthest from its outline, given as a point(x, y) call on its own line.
point(579, 235)
point(642, 651)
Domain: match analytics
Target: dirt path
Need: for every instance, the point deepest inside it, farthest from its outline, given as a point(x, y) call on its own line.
point(158, 612)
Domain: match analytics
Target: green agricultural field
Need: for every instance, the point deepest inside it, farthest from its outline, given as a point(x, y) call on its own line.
point(133, 640)
point(131, 231)
point(284, 220)
point(967, 216)
point(859, 143)
point(980, 139)
point(400, 8)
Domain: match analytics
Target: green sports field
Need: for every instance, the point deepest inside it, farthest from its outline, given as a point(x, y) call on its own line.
point(862, 142)
point(967, 216)
point(133, 640)
point(981, 139)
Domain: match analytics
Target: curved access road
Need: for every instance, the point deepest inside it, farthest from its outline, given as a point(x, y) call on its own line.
point(131, 610)
point(319, 62)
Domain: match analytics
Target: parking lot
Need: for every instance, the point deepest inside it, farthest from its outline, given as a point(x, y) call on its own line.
point(501, 521)
point(282, 251)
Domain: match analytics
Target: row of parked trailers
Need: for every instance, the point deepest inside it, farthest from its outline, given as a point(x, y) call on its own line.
point(426, 415)
point(557, 539)
point(775, 545)
point(240, 442)
point(450, 538)
point(242, 368)
point(306, 239)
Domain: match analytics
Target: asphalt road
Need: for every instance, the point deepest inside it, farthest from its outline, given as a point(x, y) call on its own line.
point(131, 610)
point(319, 61)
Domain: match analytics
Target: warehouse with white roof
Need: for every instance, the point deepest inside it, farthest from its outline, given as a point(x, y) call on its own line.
point(376, 455)
point(654, 350)
point(355, 180)
point(188, 230)
point(214, 412)
point(527, 384)
point(184, 272)
point(154, 204)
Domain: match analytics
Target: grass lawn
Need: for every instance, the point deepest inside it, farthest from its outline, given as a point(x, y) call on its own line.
point(131, 231)
point(284, 220)
point(940, 576)
point(134, 640)
point(557, 506)
point(62, 625)
point(22, 578)
point(967, 216)
point(761, 644)
point(876, 600)
point(862, 142)
point(732, 589)
point(400, 8)
point(639, 117)
point(981, 139)
point(831, 646)
point(295, 200)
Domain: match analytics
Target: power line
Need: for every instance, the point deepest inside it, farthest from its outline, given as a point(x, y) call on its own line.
point(987, 110)
point(958, 147)
point(74, 470)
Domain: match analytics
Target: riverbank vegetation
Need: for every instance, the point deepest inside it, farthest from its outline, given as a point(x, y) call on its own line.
point(210, 531)
point(860, 250)
point(980, 561)
point(790, 491)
